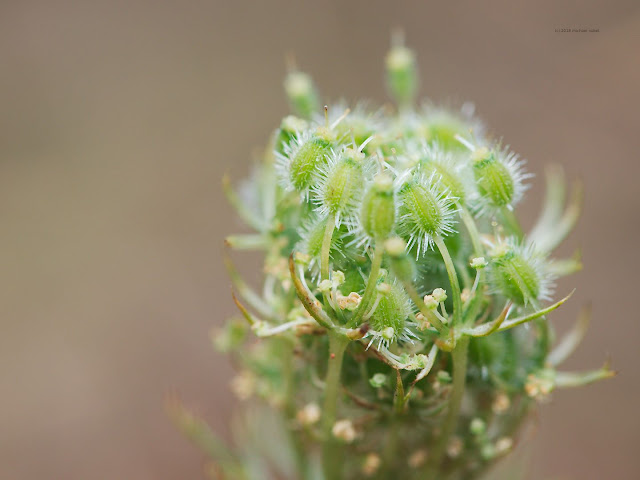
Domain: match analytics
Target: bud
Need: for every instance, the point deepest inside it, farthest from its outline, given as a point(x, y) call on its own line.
point(301, 93)
point(378, 211)
point(478, 263)
point(439, 295)
point(404, 268)
point(402, 74)
point(430, 302)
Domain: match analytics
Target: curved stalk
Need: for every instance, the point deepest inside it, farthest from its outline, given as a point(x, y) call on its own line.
point(370, 289)
point(453, 279)
point(472, 228)
point(326, 246)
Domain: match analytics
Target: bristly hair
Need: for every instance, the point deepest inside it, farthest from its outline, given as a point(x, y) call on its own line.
point(536, 260)
point(350, 207)
point(412, 228)
point(480, 205)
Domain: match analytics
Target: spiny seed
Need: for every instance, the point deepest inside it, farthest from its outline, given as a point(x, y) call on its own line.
point(493, 178)
point(306, 162)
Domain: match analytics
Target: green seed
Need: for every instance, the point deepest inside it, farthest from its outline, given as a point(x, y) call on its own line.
point(306, 162)
point(493, 179)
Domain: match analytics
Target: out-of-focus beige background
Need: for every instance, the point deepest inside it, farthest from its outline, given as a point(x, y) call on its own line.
point(117, 121)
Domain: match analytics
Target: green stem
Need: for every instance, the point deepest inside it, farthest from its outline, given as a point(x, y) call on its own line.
point(459, 355)
point(472, 228)
point(332, 452)
point(512, 222)
point(390, 454)
point(370, 289)
point(326, 246)
point(288, 369)
point(453, 279)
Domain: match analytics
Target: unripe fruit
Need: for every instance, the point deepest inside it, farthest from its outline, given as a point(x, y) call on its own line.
point(392, 311)
point(312, 237)
point(378, 211)
point(449, 182)
point(306, 162)
point(515, 275)
point(494, 181)
point(341, 186)
point(424, 214)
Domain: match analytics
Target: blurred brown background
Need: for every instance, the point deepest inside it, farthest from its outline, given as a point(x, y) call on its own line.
point(117, 120)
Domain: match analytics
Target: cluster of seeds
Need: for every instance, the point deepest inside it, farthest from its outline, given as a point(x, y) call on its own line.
point(398, 282)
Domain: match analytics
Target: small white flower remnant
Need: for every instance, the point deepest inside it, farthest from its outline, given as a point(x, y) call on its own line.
point(538, 387)
point(439, 295)
point(388, 333)
point(465, 295)
point(243, 385)
point(430, 302)
point(501, 403)
point(478, 263)
point(503, 445)
point(371, 464)
point(309, 414)
point(350, 302)
point(418, 458)
point(325, 286)
point(395, 246)
point(344, 430)
point(423, 323)
point(454, 448)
